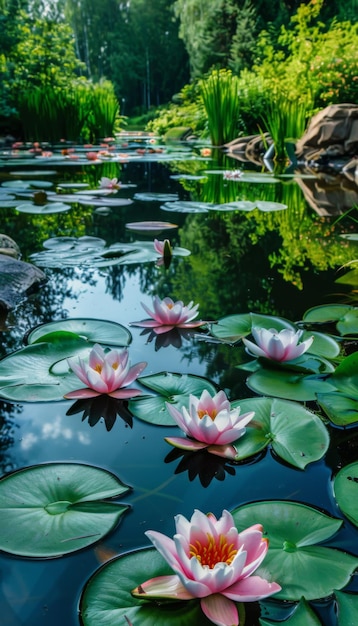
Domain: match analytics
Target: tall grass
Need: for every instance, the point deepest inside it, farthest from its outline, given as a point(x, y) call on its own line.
point(220, 95)
point(54, 114)
point(104, 111)
point(285, 119)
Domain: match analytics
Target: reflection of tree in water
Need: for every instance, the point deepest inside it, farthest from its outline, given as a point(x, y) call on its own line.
point(7, 434)
point(44, 306)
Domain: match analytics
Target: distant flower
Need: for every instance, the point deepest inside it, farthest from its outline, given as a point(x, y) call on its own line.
point(91, 156)
point(210, 421)
point(168, 314)
point(109, 183)
point(105, 372)
point(212, 561)
point(164, 249)
point(232, 174)
point(205, 152)
point(46, 154)
point(280, 345)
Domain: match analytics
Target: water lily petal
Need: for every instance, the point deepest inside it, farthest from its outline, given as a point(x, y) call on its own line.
point(78, 394)
point(184, 443)
point(251, 589)
point(220, 610)
point(122, 394)
point(162, 587)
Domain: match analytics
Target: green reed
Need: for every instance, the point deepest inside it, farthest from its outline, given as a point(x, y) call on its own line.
point(220, 95)
point(285, 120)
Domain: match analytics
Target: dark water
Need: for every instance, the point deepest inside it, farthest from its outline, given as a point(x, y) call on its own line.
point(265, 262)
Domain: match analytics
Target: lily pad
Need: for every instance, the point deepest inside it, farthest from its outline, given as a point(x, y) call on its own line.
point(238, 205)
point(106, 599)
point(345, 488)
point(345, 376)
point(347, 604)
point(156, 197)
point(340, 409)
point(153, 227)
point(173, 388)
point(91, 330)
point(266, 206)
point(287, 384)
point(186, 206)
point(294, 560)
point(57, 508)
point(234, 327)
point(43, 209)
point(296, 435)
point(345, 317)
point(301, 616)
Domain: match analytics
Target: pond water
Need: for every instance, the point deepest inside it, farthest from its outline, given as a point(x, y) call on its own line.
point(275, 261)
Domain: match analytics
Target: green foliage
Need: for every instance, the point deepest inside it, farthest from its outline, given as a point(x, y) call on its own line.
point(104, 110)
point(285, 120)
point(187, 110)
point(221, 101)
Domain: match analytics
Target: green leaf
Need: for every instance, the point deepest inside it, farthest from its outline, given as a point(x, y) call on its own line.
point(92, 330)
point(323, 345)
point(348, 324)
point(341, 409)
point(296, 435)
point(43, 209)
point(326, 313)
point(345, 488)
point(287, 385)
point(347, 604)
point(301, 616)
point(107, 600)
point(302, 568)
point(57, 508)
point(234, 327)
point(173, 388)
point(345, 377)
point(265, 205)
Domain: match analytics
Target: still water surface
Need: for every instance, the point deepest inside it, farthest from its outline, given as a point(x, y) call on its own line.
point(232, 269)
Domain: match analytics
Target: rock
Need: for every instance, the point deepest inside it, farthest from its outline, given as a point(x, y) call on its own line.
point(17, 280)
point(9, 246)
point(332, 132)
point(329, 195)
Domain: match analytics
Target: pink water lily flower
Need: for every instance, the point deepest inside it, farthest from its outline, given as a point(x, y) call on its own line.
point(105, 372)
point(212, 561)
point(159, 246)
point(109, 183)
point(280, 345)
point(168, 314)
point(210, 421)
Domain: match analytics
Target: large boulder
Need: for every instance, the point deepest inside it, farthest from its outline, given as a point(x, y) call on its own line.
point(331, 133)
point(17, 280)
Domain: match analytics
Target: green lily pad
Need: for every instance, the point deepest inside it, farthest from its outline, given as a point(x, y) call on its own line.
point(106, 599)
point(323, 345)
point(173, 388)
point(340, 409)
point(43, 209)
point(287, 384)
point(57, 508)
point(296, 435)
point(345, 317)
point(266, 206)
point(345, 376)
point(345, 488)
point(234, 327)
point(94, 331)
point(347, 604)
point(156, 197)
point(238, 205)
point(185, 206)
point(16, 184)
point(301, 616)
point(294, 561)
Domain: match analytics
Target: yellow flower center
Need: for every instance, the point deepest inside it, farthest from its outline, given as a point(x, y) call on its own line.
point(98, 368)
point(201, 414)
point(215, 550)
point(170, 305)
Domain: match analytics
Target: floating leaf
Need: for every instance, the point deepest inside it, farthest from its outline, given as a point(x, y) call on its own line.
point(234, 327)
point(340, 409)
point(347, 604)
point(296, 435)
point(154, 227)
point(294, 561)
point(323, 345)
point(266, 206)
point(92, 330)
point(301, 616)
point(345, 376)
point(238, 205)
point(43, 209)
point(345, 488)
point(156, 197)
point(185, 206)
point(173, 388)
point(287, 385)
point(53, 509)
point(106, 599)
